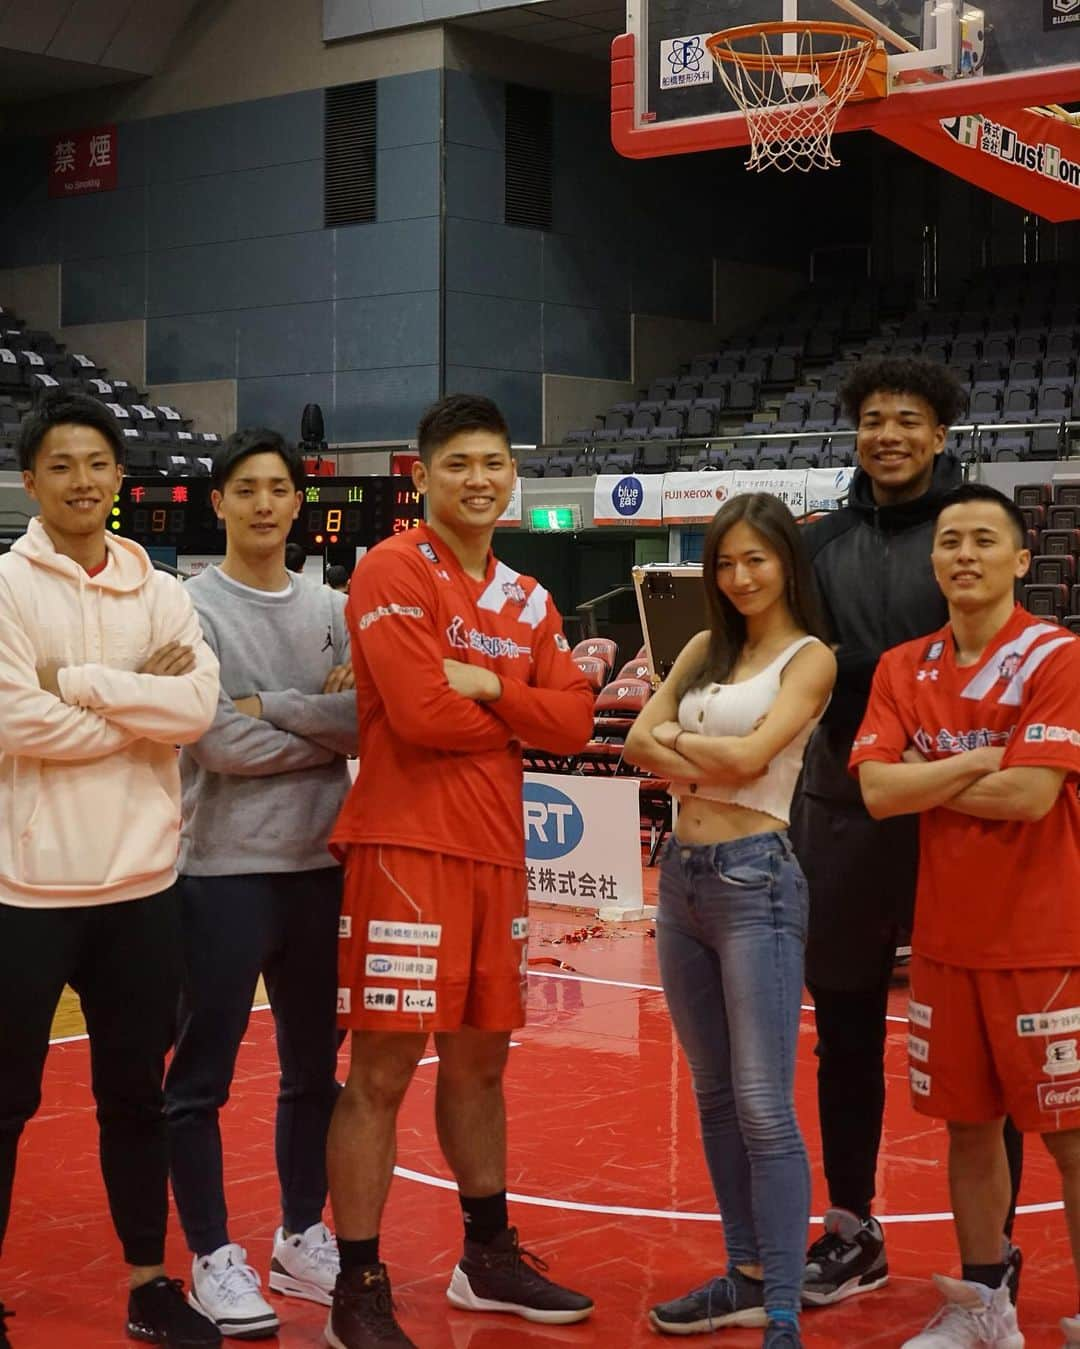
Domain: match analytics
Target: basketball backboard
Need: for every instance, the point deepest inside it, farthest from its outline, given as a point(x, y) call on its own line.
point(946, 58)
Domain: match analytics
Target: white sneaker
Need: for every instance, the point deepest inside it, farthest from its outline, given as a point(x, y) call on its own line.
point(225, 1289)
point(1070, 1328)
point(306, 1265)
point(973, 1317)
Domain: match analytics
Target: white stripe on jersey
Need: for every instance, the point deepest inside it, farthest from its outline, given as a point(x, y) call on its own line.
point(536, 607)
point(989, 675)
point(495, 596)
point(1012, 695)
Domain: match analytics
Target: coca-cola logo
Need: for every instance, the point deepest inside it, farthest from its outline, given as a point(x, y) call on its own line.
point(1060, 1095)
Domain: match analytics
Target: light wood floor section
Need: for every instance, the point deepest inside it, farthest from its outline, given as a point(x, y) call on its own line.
point(69, 1018)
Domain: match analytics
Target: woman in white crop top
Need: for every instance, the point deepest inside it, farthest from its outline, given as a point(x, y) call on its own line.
point(728, 727)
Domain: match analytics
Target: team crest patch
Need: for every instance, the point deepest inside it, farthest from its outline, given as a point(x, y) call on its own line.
point(1010, 664)
point(514, 592)
point(426, 550)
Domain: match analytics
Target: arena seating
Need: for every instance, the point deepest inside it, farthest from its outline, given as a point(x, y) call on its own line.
point(160, 441)
point(1052, 514)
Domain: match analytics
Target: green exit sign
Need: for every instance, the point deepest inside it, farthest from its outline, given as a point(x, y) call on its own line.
point(553, 519)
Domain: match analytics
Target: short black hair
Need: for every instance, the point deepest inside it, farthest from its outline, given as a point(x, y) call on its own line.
point(453, 414)
point(60, 407)
point(337, 575)
point(251, 440)
point(905, 374)
point(295, 556)
point(980, 491)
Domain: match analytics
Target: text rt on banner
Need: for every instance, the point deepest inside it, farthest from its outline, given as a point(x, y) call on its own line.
point(628, 499)
point(82, 161)
point(583, 842)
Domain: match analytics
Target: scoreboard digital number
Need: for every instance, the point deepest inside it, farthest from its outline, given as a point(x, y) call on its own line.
point(335, 512)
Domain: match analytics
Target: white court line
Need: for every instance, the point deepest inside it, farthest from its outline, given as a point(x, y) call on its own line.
point(651, 988)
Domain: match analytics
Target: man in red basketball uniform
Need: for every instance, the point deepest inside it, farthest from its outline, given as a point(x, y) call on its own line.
point(977, 728)
point(459, 661)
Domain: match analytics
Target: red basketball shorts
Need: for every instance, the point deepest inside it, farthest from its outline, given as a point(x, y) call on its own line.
point(431, 942)
point(985, 1043)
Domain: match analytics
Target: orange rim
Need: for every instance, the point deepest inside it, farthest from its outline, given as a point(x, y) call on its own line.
point(720, 49)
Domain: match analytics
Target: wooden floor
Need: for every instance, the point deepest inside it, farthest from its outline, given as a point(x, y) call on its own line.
point(69, 1018)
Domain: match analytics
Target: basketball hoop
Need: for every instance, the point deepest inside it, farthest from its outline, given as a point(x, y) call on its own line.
point(791, 80)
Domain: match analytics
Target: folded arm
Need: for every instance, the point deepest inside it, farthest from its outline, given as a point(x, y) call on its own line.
point(555, 712)
point(1026, 794)
point(249, 747)
point(890, 789)
point(642, 747)
point(326, 719)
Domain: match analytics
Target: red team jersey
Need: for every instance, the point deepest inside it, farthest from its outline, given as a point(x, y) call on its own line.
point(440, 772)
point(992, 894)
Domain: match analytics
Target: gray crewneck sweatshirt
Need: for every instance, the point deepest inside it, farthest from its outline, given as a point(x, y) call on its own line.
point(262, 794)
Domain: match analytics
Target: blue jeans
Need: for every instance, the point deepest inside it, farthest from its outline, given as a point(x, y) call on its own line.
point(730, 935)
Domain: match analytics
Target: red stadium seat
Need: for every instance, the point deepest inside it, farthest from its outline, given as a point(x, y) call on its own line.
point(594, 670)
point(635, 669)
point(600, 648)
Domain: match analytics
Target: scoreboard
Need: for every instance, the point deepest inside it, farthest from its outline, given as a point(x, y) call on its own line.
point(335, 512)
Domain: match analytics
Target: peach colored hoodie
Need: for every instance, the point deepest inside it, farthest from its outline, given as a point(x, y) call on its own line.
point(89, 781)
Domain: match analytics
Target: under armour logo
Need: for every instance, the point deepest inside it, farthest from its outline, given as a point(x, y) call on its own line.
point(927, 674)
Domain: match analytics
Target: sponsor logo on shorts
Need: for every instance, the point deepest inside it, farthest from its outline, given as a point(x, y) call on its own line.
point(344, 926)
point(1061, 1058)
point(380, 999)
point(920, 1014)
point(418, 1000)
point(1060, 1095)
point(404, 934)
point(1063, 1021)
point(344, 1000)
point(519, 928)
point(918, 1049)
point(920, 1082)
point(401, 967)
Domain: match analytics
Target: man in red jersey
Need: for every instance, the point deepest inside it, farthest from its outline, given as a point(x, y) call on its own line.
point(976, 727)
point(459, 660)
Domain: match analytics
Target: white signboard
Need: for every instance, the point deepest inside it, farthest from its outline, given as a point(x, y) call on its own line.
point(694, 498)
point(628, 499)
point(512, 514)
point(826, 486)
point(788, 484)
point(685, 61)
point(583, 841)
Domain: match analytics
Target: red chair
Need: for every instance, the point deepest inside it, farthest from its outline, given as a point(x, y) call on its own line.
point(635, 669)
point(617, 706)
point(599, 648)
point(594, 670)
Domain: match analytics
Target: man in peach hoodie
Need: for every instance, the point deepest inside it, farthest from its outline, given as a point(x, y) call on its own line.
point(103, 672)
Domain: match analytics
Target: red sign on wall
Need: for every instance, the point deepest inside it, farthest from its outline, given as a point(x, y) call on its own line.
point(82, 161)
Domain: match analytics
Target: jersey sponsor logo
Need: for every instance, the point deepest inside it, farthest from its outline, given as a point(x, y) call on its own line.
point(920, 1014)
point(561, 643)
point(934, 651)
point(959, 742)
point(380, 999)
point(918, 1049)
point(426, 550)
point(389, 611)
point(418, 1000)
point(401, 967)
point(920, 1082)
point(865, 741)
point(1061, 1058)
point(344, 1000)
point(344, 926)
point(404, 934)
point(1060, 1095)
point(519, 929)
point(469, 639)
point(1064, 1020)
point(932, 675)
point(1039, 731)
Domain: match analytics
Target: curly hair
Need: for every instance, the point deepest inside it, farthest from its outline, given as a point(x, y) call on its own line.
point(937, 384)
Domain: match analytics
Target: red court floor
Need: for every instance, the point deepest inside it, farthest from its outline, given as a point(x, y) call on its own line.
point(606, 1171)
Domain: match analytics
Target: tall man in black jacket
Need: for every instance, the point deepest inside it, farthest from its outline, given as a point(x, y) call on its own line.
point(872, 563)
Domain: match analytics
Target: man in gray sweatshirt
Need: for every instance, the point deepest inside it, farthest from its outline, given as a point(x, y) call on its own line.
point(260, 893)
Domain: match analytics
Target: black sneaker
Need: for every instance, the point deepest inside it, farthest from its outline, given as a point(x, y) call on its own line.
point(362, 1315)
point(158, 1312)
point(1014, 1263)
point(781, 1335)
point(5, 1315)
point(733, 1300)
point(496, 1278)
point(848, 1259)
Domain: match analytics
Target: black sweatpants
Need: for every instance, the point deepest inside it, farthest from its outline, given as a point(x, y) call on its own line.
point(123, 960)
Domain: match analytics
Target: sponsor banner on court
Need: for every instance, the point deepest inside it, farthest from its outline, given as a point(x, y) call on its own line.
point(789, 484)
point(685, 61)
point(628, 499)
point(582, 840)
point(1060, 14)
point(694, 498)
point(826, 488)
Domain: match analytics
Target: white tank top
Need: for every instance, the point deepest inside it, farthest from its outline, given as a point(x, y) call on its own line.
point(733, 709)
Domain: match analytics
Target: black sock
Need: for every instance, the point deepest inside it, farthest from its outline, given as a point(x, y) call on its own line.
point(484, 1218)
point(357, 1254)
point(988, 1275)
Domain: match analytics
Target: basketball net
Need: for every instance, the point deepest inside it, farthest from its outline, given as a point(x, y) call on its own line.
point(790, 80)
